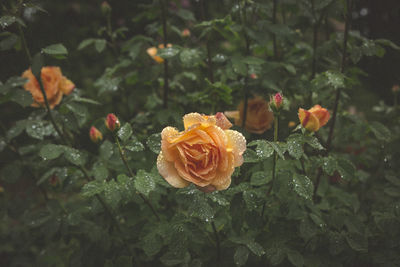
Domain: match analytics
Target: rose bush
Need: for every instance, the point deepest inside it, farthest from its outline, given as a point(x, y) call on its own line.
point(205, 153)
point(54, 83)
point(258, 116)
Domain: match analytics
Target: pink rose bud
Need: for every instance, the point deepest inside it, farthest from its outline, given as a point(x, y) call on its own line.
point(276, 102)
point(112, 122)
point(95, 135)
point(395, 88)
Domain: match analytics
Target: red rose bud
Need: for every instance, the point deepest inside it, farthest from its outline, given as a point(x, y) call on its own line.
point(95, 135)
point(185, 33)
point(395, 88)
point(112, 122)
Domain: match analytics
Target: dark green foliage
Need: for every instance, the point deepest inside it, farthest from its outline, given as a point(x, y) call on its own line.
point(333, 200)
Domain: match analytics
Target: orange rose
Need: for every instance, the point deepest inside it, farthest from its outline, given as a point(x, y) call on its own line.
point(152, 52)
point(205, 153)
point(54, 83)
point(314, 118)
point(258, 117)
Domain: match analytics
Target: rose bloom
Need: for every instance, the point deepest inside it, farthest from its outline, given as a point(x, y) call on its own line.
point(314, 118)
point(54, 83)
point(205, 153)
point(152, 52)
point(258, 117)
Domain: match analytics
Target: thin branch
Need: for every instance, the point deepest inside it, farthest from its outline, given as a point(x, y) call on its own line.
point(164, 25)
point(217, 241)
point(274, 11)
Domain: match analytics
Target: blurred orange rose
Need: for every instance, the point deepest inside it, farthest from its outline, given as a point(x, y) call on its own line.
point(205, 153)
point(258, 117)
point(152, 52)
point(314, 118)
point(54, 83)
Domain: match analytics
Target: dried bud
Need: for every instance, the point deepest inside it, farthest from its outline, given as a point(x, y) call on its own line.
point(276, 102)
point(95, 135)
point(185, 33)
point(112, 122)
point(105, 8)
point(54, 180)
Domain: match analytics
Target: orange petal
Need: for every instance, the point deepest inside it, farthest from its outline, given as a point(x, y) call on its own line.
point(66, 86)
point(170, 174)
point(236, 143)
point(321, 113)
point(308, 120)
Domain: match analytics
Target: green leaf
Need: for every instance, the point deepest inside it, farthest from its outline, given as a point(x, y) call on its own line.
point(11, 172)
point(134, 145)
point(199, 208)
point(75, 156)
point(51, 151)
point(9, 42)
point(380, 131)
point(313, 142)
point(393, 179)
point(278, 149)
point(85, 43)
point(168, 52)
point(357, 242)
point(335, 79)
point(392, 191)
point(6, 21)
point(295, 258)
point(144, 182)
point(92, 188)
point(346, 169)
point(100, 45)
point(39, 129)
point(264, 149)
point(22, 97)
point(125, 132)
point(55, 49)
point(152, 244)
point(154, 142)
point(112, 193)
point(190, 57)
point(241, 255)
point(329, 165)
point(256, 248)
point(260, 178)
point(303, 186)
point(250, 156)
point(295, 147)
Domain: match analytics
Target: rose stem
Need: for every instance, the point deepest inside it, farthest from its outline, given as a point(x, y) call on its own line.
point(65, 141)
point(274, 11)
point(164, 25)
point(123, 157)
point(275, 158)
point(317, 23)
point(338, 90)
point(217, 240)
point(247, 40)
point(209, 61)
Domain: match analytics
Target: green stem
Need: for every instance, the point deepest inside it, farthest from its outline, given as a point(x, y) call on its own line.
point(132, 174)
point(164, 27)
point(21, 33)
point(275, 156)
point(217, 241)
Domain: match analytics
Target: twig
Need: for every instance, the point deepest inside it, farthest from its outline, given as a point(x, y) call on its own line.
point(209, 59)
point(274, 11)
point(164, 25)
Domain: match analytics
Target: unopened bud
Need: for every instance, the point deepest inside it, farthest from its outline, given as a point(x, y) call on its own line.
point(112, 122)
point(185, 33)
point(253, 76)
point(95, 135)
point(105, 8)
point(276, 102)
point(395, 88)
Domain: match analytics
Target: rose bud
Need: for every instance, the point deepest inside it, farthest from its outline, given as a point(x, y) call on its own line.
point(105, 8)
point(314, 118)
point(276, 102)
point(185, 33)
point(253, 76)
point(112, 122)
point(395, 88)
point(95, 135)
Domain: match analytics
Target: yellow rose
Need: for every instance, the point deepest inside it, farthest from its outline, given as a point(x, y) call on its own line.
point(54, 83)
point(258, 117)
point(314, 118)
point(205, 153)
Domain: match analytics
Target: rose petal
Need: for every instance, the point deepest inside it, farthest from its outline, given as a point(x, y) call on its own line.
point(236, 143)
point(170, 174)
